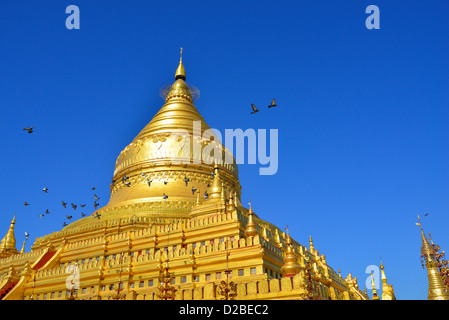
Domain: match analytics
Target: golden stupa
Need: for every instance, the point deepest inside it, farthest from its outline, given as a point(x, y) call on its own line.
point(158, 238)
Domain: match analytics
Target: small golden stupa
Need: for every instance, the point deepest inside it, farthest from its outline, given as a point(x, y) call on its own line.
point(157, 226)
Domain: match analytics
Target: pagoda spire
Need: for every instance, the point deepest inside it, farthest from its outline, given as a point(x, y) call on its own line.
point(8, 243)
point(180, 72)
point(375, 296)
point(387, 289)
point(251, 227)
point(290, 267)
point(437, 288)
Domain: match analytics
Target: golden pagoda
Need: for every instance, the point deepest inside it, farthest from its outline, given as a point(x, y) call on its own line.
point(159, 238)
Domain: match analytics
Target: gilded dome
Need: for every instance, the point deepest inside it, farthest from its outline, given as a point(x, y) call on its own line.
point(173, 155)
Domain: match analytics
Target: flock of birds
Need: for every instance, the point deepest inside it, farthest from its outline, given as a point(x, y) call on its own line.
point(74, 207)
point(164, 196)
point(255, 110)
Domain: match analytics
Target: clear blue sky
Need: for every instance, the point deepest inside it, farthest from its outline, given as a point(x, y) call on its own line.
point(362, 116)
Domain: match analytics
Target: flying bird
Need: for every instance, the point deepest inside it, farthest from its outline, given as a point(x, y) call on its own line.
point(255, 110)
point(206, 195)
point(193, 190)
point(97, 215)
point(95, 204)
point(45, 189)
point(149, 182)
point(64, 224)
point(426, 214)
point(165, 197)
point(82, 214)
point(273, 103)
point(96, 198)
point(26, 204)
point(128, 184)
point(41, 216)
point(82, 205)
point(165, 182)
point(125, 178)
point(93, 188)
point(213, 174)
point(69, 217)
point(47, 211)
point(74, 206)
point(29, 129)
point(26, 235)
point(186, 180)
point(64, 204)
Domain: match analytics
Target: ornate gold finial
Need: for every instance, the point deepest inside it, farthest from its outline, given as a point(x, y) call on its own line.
point(311, 248)
point(251, 227)
point(290, 267)
point(387, 289)
point(231, 204)
point(437, 289)
point(8, 243)
point(180, 72)
point(216, 184)
point(375, 296)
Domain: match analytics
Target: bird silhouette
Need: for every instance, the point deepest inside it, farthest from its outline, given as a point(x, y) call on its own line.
point(193, 190)
point(186, 180)
point(26, 235)
point(165, 182)
point(213, 174)
point(64, 224)
point(273, 103)
point(208, 185)
point(165, 197)
point(93, 188)
point(128, 184)
point(426, 214)
point(26, 204)
point(125, 178)
point(29, 129)
point(74, 206)
point(41, 216)
point(47, 211)
point(96, 198)
point(45, 189)
point(255, 110)
point(97, 215)
point(82, 214)
point(96, 204)
point(149, 182)
point(206, 195)
point(64, 204)
point(82, 205)
point(69, 217)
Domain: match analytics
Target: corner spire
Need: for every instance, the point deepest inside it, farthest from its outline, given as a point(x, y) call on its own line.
point(8, 243)
point(387, 289)
point(251, 227)
point(437, 288)
point(290, 267)
point(180, 72)
point(375, 296)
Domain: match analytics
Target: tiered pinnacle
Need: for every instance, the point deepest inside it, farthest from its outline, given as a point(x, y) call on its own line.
point(8, 243)
point(437, 288)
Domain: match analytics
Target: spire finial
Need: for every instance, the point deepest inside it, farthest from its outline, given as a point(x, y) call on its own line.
point(180, 72)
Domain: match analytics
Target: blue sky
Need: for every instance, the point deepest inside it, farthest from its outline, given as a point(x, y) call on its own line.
point(362, 114)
